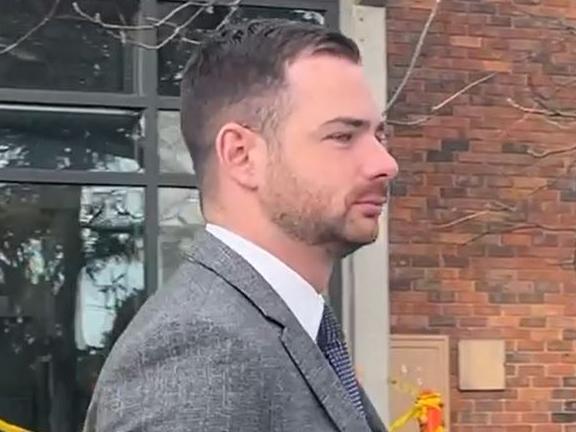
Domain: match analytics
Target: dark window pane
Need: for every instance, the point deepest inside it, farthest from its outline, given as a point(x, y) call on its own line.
point(173, 56)
point(68, 138)
point(174, 155)
point(71, 277)
point(179, 215)
point(68, 52)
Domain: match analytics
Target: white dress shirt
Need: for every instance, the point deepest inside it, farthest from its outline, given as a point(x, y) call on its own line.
point(300, 297)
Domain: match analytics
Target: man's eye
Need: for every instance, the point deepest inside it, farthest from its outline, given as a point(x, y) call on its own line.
point(343, 137)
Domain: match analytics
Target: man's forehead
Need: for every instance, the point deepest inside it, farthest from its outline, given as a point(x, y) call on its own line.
point(330, 67)
point(334, 85)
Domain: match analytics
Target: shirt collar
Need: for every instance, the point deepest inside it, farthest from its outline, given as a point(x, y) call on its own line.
point(300, 297)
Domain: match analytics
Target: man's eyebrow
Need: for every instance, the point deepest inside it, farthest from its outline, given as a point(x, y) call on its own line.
point(357, 123)
point(348, 121)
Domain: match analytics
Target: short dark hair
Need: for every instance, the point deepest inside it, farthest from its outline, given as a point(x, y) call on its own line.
point(240, 71)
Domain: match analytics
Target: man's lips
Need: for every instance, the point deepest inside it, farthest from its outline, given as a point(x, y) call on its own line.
point(371, 206)
point(377, 201)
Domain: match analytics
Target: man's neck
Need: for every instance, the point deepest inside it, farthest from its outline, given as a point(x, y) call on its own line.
point(311, 262)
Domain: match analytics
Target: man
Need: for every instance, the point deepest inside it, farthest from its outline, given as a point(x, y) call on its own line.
point(289, 150)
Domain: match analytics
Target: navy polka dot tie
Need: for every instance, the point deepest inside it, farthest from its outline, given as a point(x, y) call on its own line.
point(331, 342)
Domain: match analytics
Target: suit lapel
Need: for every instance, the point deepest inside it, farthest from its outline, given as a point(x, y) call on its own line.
point(323, 381)
point(372, 416)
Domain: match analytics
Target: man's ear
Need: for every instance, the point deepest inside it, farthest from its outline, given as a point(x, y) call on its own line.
point(236, 150)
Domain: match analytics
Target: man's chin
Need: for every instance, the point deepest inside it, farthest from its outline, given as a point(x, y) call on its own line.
point(367, 239)
point(366, 233)
point(351, 243)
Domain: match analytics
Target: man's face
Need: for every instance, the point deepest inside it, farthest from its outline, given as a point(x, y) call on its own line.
point(327, 175)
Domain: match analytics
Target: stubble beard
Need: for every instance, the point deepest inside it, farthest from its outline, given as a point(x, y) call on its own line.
point(301, 211)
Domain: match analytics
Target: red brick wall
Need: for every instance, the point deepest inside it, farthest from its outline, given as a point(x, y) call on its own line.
point(471, 177)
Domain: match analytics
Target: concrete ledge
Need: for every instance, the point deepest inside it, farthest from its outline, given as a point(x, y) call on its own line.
point(373, 3)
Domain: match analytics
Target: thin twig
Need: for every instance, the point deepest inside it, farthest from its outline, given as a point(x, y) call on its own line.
point(512, 211)
point(504, 206)
point(546, 185)
point(122, 35)
point(125, 40)
point(204, 5)
point(498, 207)
point(485, 233)
point(442, 104)
point(463, 90)
point(548, 115)
point(467, 218)
point(570, 125)
point(30, 32)
point(231, 11)
point(544, 154)
point(563, 24)
point(555, 112)
point(96, 19)
point(546, 111)
point(415, 55)
point(174, 26)
point(178, 29)
point(544, 114)
point(522, 227)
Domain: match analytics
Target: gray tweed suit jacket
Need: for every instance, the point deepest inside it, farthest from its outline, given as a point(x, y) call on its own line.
point(218, 350)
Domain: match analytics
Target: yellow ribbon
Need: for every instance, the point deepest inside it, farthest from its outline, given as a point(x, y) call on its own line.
point(419, 411)
point(7, 427)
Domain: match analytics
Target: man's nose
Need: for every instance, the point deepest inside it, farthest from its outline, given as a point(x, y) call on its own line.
point(380, 163)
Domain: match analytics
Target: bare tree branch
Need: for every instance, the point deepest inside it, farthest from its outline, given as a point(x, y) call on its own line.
point(498, 218)
point(514, 218)
point(175, 27)
point(120, 31)
point(546, 111)
point(561, 23)
point(179, 28)
point(34, 29)
point(566, 119)
point(415, 56)
point(437, 107)
point(204, 6)
point(96, 19)
point(463, 90)
point(523, 227)
point(513, 212)
point(467, 218)
point(547, 153)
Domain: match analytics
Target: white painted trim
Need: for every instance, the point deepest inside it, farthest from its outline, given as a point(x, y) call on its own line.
point(365, 274)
